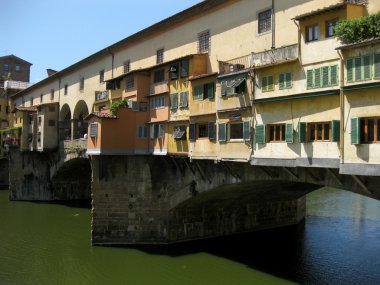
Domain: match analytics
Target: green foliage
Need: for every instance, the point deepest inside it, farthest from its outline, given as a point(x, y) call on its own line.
point(357, 30)
point(115, 106)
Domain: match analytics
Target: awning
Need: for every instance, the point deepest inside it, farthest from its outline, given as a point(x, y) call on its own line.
point(178, 133)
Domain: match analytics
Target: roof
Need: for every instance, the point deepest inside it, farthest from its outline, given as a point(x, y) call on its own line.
point(320, 11)
point(15, 57)
point(25, 109)
point(203, 76)
point(168, 23)
point(102, 115)
point(363, 43)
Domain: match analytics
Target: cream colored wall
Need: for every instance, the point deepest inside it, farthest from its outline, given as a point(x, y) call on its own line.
point(360, 103)
point(204, 148)
point(320, 109)
point(235, 101)
point(178, 146)
point(206, 106)
point(373, 6)
point(44, 90)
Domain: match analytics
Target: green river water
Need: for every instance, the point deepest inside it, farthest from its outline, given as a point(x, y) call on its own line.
point(339, 243)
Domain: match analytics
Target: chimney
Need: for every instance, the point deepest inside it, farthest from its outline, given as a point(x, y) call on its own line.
point(50, 72)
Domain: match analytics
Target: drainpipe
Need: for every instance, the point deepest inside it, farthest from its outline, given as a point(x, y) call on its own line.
point(341, 102)
point(273, 27)
point(299, 40)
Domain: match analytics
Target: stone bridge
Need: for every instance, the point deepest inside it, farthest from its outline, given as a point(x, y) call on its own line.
point(61, 174)
point(160, 200)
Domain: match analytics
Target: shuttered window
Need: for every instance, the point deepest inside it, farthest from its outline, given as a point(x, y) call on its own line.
point(184, 68)
point(302, 132)
point(285, 80)
point(198, 92)
point(267, 84)
point(360, 68)
point(222, 132)
point(204, 91)
point(161, 131)
point(289, 133)
point(322, 77)
point(335, 130)
point(260, 134)
point(210, 90)
point(174, 101)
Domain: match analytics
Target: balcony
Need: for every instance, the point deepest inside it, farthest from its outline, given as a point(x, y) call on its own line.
point(16, 84)
point(275, 56)
point(235, 65)
point(159, 88)
point(101, 95)
point(77, 144)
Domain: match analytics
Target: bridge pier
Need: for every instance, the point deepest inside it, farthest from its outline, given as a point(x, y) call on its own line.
point(160, 200)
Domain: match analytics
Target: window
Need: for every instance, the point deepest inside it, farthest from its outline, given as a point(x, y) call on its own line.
point(93, 130)
point(41, 98)
point(234, 86)
point(276, 133)
point(265, 21)
point(5, 67)
point(101, 95)
point(17, 68)
point(319, 131)
point(81, 84)
point(157, 131)
point(330, 27)
point(322, 77)
point(39, 120)
point(129, 82)
point(142, 132)
point(31, 101)
point(179, 133)
point(127, 66)
point(204, 41)
point(285, 80)
point(202, 131)
point(359, 68)
point(174, 101)
point(160, 56)
point(201, 92)
point(159, 76)
point(184, 68)
point(157, 102)
point(369, 130)
point(312, 33)
point(52, 95)
point(101, 76)
point(65, 90)
point(174, 71)
point(184, 99)
point(267, 83)
point(236, 131)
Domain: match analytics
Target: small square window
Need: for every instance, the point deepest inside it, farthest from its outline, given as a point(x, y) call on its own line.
point(127, 66)
point(236, 131)
point(17, 68)
point(265, 21)
point(204, 41)
point(203, 131)
point(312, 33)
point(101, 76)
point(330, 27)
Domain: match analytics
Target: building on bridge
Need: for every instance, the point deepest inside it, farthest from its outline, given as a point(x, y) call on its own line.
point(235, 81)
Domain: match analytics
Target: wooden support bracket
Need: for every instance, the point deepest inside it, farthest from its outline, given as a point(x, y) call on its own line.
point(336, 176)
point(266, 171)
point(204, 177)
point(189, 166)
point(291, 173)
point(361, 184)
point(237, 176)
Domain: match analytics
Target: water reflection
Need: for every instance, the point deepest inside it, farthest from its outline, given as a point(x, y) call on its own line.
point(337, 244)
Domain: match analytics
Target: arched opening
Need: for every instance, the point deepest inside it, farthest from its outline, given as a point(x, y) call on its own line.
point(79, 125)
point(65, 123)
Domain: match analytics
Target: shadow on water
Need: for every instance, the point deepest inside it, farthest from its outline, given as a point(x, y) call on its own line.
point(85, 204)
point(274, 251)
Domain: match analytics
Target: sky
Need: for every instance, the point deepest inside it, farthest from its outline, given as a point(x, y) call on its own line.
point(57, 33)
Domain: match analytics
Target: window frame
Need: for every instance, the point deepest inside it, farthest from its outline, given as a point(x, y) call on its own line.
point(311, 36)
point(81, 84)
point(127, 66)
point(157, 74)
point(313, 126)
point(101, 76)
point(157, 102)
point(334, 22)
point(5, 67)
point(264, 25)
point(268, 87)
point(160, 55)
point(288, 84)
point(204, 133)
point(234, 124)
point(276, 127)
point(204, 41)
point(129, 82)
point(363, 130)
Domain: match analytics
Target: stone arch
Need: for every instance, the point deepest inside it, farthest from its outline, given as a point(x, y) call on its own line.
point(79, 125)
point(65, 122)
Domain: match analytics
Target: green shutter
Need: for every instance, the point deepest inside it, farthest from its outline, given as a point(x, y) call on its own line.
point(366, 67)
point(260, 134)
point(333, 75)
point(281, 81)
point(335, 130)
point(222, 134)
point(301, 132)
point(350, 70)
point(246, 131)
point(264, 84)
point(184, 70)
point(325, 76)
point(355, 130)
point(270, 83)
point(358, 69)
point(211, 131)
point(198, 92)
point(223, 85)
point(289, 137)
point(210, 90)
point(288, 80)
point(192, 132)
point(377, 65)
point(317, 77)
point(309, 79)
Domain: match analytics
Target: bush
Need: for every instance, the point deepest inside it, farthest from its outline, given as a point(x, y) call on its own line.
point(115, 106)
point(358, 30)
